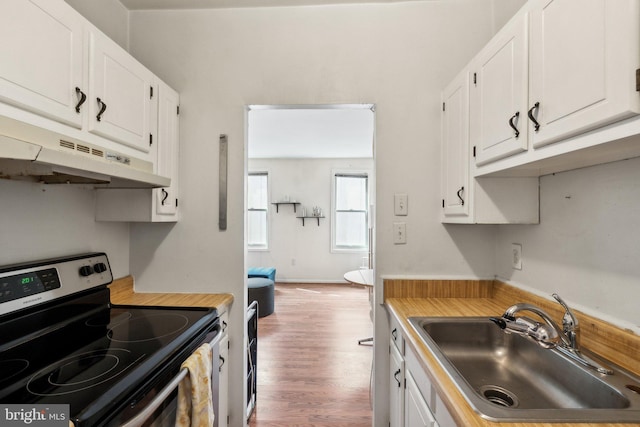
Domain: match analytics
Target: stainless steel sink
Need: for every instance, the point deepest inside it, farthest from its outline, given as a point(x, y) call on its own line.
point(506, 377)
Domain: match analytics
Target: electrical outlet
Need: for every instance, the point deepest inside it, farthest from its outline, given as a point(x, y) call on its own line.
point(516, 256)
point(399, 233)
point(400, 203)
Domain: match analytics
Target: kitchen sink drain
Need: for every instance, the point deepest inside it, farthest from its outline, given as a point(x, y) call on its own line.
point(499, 396)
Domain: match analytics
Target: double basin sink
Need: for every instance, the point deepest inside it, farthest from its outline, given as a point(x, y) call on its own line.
point(507, 377)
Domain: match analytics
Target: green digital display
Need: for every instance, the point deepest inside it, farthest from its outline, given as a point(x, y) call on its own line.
point(27, 284)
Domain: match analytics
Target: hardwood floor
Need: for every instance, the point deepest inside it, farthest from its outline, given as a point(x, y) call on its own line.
point(311, 370)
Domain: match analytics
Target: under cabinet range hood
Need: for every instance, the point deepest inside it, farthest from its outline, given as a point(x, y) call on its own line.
point(62, 160)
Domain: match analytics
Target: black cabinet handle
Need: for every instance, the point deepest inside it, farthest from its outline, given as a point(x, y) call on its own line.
point(103, 107)
point(165, 194)
point(536, 125)
point(394, 333)
point(221, 363)
point(458, 193)
point(224, 326)
point(83, 98)
point(513, 126)
point(395, 376)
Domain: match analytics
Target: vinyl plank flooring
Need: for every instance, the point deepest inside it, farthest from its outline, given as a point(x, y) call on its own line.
point(311, 370)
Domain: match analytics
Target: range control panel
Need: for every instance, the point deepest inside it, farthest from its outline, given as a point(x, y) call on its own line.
point(32, 283)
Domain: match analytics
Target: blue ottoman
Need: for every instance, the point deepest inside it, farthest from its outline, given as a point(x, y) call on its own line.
point(262, 290)
point(266, 272)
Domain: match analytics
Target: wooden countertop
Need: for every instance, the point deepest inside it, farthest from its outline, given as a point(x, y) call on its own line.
point(122, 292)
point(402, 308)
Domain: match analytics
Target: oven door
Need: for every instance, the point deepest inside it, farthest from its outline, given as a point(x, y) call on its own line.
point(159, 406)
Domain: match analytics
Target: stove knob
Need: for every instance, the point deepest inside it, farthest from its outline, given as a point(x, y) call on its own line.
point(86, 270)
point(100, 267)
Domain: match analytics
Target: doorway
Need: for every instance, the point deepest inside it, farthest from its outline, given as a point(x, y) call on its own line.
point(305, 218)
point(310, 201)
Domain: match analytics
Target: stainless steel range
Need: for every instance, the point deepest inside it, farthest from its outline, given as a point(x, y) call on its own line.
point(63, 342)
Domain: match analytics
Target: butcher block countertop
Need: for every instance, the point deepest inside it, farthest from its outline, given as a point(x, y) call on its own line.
point(407, 298)
point(122, 292)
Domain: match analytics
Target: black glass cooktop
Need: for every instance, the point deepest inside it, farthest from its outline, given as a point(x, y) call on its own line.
point(94, 356)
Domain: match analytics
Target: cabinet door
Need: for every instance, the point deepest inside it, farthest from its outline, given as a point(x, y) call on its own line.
point(455, 146)
point(396, 387)
point(417, 412)
point(166, 199)
point(583, 58)
point(41, 42)
point(223, 389)
point(120, 94)
point(498, 94)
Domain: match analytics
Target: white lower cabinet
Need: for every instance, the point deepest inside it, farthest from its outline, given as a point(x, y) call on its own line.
point(413, 401)
point(416, 410)
point(396, 387)
point(223, 386)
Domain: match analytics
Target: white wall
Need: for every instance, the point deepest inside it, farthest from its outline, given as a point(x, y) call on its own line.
point(397, 56)
point(308, 181)
point(110, 16)
point(41, 221)
point(587, 245)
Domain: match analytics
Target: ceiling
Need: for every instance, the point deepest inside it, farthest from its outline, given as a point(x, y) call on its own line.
point(211, 4)
point(311, 132)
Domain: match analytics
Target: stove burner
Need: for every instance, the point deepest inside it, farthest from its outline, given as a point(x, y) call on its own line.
point(79, 372)
point(148, 328)
point(101, 320)
point(14, 366)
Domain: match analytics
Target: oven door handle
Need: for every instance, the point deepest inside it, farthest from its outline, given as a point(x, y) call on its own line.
point(148, 410)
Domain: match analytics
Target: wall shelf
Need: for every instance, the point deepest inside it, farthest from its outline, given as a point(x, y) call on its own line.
point(307, 217)
point(295, 204)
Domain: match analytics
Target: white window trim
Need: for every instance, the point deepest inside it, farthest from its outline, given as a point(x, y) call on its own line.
point(335, 172)
point(265, 248)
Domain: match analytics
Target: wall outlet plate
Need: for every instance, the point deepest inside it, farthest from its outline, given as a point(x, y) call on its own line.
point(516, 256)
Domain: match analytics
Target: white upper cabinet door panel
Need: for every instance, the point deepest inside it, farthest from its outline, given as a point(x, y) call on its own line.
point(455, 146)
point(168, 150)
point(41, 43)
point(120, 94)
point(499, 95)
point(583, 58)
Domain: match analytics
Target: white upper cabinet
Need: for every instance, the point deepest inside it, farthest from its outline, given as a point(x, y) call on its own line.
point(42, 51)
point(498, 94)
point(563, 76)
point(470, 200)
point(584, 56)
point(158, 204)
point(166, 200)
point(62, 74)
point(120, 94)
point(455, 147)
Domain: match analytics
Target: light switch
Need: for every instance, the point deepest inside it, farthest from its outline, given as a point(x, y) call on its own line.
point(401, 207)
point(399, 233)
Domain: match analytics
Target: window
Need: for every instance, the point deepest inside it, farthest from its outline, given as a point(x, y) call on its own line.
point(257, 202)
point(351, 201)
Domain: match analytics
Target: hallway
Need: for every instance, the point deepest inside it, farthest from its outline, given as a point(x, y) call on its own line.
point(311, 370)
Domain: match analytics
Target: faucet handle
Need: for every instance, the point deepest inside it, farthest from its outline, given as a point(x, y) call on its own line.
point(569, 320)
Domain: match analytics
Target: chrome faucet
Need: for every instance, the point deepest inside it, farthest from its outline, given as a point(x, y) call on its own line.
point(549, 335)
